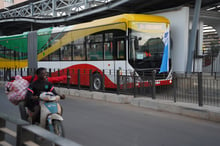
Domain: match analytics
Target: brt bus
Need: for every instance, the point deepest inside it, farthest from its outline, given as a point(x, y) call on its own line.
point(134, 44)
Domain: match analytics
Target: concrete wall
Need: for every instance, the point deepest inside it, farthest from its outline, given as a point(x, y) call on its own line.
point(4, 4)
point(216, 62)
point(179, 19)
point(18, 1)
point(1, 4)
point(197, 62)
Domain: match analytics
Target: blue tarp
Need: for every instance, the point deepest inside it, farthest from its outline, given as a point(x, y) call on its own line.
point(165, 60)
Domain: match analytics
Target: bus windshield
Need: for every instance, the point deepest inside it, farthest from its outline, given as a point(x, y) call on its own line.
point(149, 52)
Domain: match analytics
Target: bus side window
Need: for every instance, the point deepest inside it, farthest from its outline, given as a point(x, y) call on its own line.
point(108, 51)
point(108, 46)
point(95, 47)
point(46, 58)
point(79, 52)
point(9, 54)
point(120, 49)
point(78, 49)
point(66, 53)
point(16, 55)
point(2, 51)
point(55, 56)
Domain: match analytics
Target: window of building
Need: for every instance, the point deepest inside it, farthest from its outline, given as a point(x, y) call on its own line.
point(9, 1)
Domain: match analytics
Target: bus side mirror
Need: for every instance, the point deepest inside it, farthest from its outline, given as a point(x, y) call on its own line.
point(136, 43)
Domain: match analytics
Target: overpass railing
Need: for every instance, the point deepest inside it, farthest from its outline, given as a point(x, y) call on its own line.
point(51, 8)
point(26, 134)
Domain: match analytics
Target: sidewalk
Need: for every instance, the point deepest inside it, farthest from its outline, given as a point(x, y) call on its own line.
point(210, 113)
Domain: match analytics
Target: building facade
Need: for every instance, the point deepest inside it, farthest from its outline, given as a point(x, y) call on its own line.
point(7, 3)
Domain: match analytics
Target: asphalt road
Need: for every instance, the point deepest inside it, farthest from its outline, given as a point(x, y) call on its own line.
point(98, 123)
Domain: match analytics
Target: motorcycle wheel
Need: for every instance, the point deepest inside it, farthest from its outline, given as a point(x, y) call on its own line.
point(58, 128)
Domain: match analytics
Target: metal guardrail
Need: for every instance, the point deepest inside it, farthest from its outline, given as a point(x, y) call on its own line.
point(199, 88)
point(27, 134)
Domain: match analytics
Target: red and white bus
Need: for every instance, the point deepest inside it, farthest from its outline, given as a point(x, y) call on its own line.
point(130, 43)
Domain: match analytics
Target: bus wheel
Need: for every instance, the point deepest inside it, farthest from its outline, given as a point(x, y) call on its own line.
point(97, 81)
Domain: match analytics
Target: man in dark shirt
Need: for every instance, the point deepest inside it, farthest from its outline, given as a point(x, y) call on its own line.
point(34, 91)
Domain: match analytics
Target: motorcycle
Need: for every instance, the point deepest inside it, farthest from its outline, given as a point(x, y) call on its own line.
point(50, 113)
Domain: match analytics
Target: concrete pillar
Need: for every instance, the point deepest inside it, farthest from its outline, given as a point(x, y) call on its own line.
point(216, 61)
point(217, 27)
point(193, 35)
point(32, 51)
point(197, 62)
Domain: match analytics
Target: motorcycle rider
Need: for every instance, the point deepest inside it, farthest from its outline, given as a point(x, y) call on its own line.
point(35, 89)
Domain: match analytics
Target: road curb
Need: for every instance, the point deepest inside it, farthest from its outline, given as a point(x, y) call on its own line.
point(186, 109)
point(109, 97)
